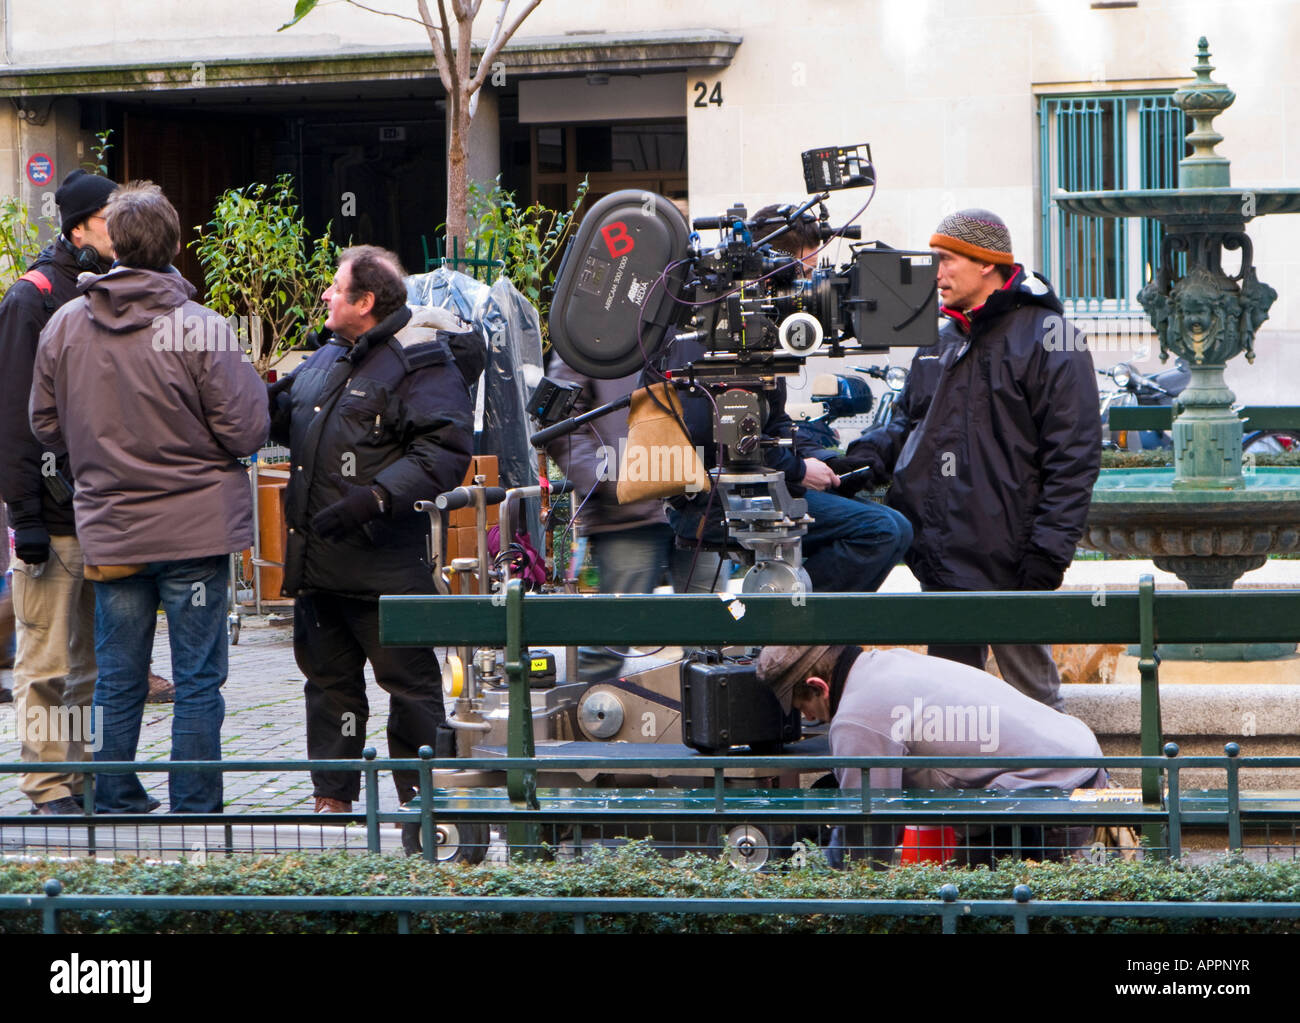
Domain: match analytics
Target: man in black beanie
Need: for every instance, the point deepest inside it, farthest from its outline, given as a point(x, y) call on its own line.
point(54, 666)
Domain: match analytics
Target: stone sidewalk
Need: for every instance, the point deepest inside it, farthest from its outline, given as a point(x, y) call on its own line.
point(265, 719)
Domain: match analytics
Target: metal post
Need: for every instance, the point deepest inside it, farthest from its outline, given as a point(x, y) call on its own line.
point(88, 807)
point(950, 909)
point(1175, 804)
point(480, 534)
point(521, 785)
point(427, 838)
point(1234, 797)
point(1020, 912)
point(256, 557)
point(372, 800)
point(1150, 699)
point(49, 914)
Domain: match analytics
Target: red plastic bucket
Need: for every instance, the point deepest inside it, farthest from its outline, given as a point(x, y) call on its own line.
point(928, 844)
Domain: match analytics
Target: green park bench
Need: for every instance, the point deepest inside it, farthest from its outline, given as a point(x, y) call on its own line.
point(1161, 417)
point(515, 620)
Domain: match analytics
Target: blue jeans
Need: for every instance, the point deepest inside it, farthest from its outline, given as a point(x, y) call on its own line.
point(853, 545)
point(193, 595)
point(850, 547)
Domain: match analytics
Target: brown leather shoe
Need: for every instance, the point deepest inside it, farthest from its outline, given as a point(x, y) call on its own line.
point(324, 804)
point(160, 690)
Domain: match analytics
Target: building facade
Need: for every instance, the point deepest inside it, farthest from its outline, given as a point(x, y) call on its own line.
point(994, 103)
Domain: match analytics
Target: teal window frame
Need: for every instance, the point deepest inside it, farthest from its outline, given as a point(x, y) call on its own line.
point(1094, 141)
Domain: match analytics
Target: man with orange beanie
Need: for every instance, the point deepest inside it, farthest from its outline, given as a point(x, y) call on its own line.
point(995, 442)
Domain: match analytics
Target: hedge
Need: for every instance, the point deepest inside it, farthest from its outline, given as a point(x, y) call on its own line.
point(638, 871)
point(1164, 458)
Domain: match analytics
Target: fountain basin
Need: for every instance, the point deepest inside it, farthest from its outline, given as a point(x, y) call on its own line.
point(1208, 538)
point(1170, 205)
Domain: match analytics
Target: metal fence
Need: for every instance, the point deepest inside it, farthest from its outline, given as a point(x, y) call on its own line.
point(752, 810)
point(949, 908)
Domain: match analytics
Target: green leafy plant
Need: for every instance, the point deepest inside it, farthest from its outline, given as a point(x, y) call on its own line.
point(260, 262)
point(19, 240)
point(99, 153)
point(527, 238)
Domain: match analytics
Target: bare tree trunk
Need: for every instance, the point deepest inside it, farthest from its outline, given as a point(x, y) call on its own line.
point(458, 173)
point(458, 79)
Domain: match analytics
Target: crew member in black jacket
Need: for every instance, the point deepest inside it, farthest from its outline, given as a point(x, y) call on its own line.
point(375, 420)
point(54, 607)
point(996, 440)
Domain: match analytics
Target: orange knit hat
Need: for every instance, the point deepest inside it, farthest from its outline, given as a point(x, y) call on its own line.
point(978, 234)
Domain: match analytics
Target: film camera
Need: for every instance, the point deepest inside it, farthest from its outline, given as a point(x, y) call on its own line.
point(636, 281)
point(637, 288)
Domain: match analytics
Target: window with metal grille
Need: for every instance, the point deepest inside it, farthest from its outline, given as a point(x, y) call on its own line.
point(1096, 142)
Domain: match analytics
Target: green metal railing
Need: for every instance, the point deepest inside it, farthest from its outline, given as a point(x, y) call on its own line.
point(1161, 417)
point(755, 619)
point(521, 808)
point(715, 803)
point(949, 907)
point(486, 269)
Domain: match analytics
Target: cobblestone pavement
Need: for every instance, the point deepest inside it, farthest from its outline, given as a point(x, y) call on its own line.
point(265, 719)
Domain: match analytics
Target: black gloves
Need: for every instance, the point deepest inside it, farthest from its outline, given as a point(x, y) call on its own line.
point(846, 464)
point(1039, 572)
point(282, 384)
point(358, 506)
point(32, 544)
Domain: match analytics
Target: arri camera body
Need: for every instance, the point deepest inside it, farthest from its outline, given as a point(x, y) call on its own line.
point(636, 281)
point(638, 289)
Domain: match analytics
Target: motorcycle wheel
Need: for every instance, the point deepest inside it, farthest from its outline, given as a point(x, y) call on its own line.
point(1272, 442)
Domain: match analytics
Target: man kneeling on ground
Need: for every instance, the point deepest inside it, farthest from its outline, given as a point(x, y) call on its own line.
point(894, 702)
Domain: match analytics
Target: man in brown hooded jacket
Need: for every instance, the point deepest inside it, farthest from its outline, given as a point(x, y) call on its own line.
point(156, 403)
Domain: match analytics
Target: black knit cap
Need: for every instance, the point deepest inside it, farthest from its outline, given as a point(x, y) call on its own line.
point(80, 196)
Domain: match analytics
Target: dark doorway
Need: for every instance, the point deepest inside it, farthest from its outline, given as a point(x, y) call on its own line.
point(193, 159)
point(372, 168)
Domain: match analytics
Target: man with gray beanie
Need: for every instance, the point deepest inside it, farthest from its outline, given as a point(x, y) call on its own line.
point(898, 703)
point(54, 606)
point(995, 442)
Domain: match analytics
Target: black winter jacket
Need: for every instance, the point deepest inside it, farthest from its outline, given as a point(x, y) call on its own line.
point(23, 314)
point(996, 441)
point(382, 412)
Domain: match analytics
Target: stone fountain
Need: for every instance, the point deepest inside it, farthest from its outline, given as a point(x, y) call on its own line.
point(1205, 520)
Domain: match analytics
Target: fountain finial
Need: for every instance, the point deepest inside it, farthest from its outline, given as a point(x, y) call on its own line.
point(1203, 100)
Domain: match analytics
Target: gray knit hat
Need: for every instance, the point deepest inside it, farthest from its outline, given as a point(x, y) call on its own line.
point(783, 667)
point(978, 234)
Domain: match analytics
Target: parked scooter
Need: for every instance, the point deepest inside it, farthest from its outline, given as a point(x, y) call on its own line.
point(842, 396)
point(1134, 388)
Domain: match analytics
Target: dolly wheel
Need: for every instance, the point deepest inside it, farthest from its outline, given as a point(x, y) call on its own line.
point(457, 843)
point(747, 847)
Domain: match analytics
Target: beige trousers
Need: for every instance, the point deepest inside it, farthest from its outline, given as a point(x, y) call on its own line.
point(54, 667)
